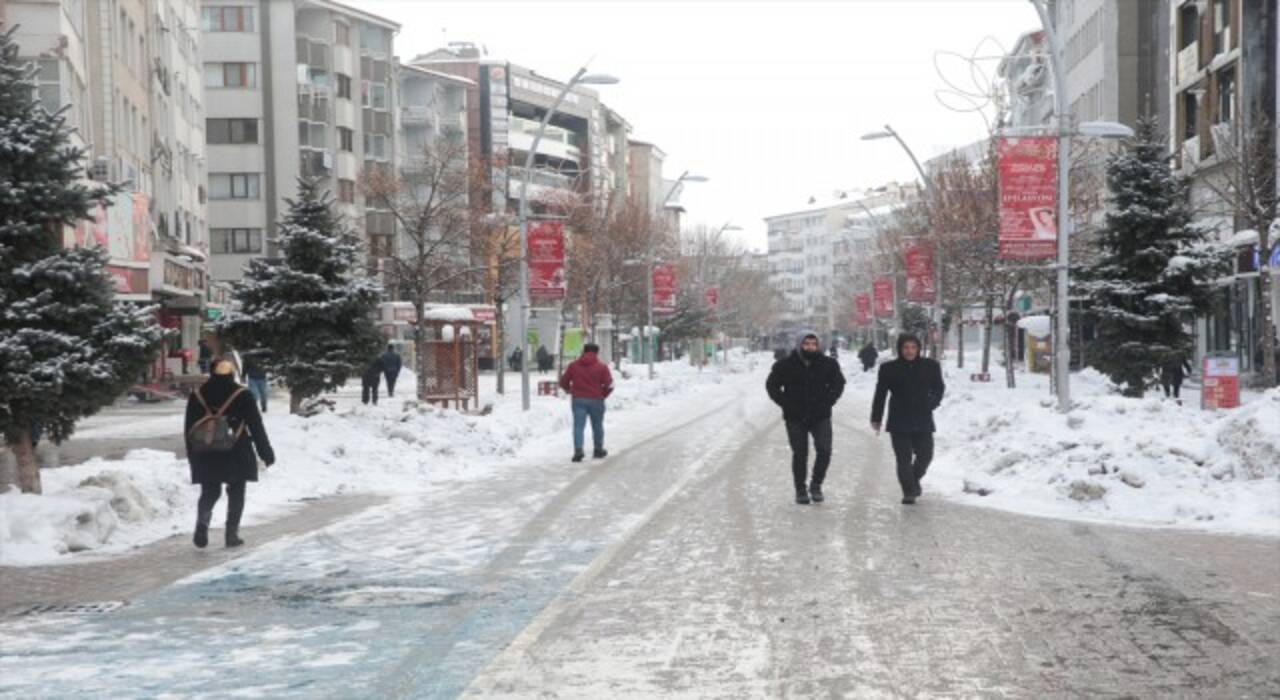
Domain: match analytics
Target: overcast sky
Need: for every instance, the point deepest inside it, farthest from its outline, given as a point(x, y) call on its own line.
point(765, 98)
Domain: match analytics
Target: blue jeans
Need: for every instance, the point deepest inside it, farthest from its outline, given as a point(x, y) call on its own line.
point(258, 387)
point(583, 409)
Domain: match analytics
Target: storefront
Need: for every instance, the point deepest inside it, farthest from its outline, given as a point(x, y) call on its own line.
point(1233, 326)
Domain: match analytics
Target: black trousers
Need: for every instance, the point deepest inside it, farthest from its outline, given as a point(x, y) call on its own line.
point(391, 382)
point(1172, 386)
point(913, 452)
point(209, 493)
point(798, 435)
point(369, 389)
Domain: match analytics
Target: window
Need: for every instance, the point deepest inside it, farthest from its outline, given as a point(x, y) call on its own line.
point(379, 222)
point(1221, 26)
point(234, 186)
point(223, 18)
point(341, 34)
point(235, 240)
point(1190, 109)
point(379, 245)
point(48, 88)
point(231, 75)
point(1189, 20)
point(221, 131)
point(375, 146)
point(346, 139)
point(347, 191)
point(1226, 96)
point(344, 86)
point(373, 95)
point(374, 39)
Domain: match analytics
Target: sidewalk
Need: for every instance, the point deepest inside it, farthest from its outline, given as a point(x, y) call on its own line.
point(121, 578)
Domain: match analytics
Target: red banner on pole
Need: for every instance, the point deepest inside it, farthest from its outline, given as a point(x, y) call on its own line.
point(713, 297)
point(546, 261)
point(862, 310)
point(920, 285)
point(882, 295)
point(1028, 198)
point(664, 289)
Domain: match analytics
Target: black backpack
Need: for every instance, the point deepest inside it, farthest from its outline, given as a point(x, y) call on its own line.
point(213, 434)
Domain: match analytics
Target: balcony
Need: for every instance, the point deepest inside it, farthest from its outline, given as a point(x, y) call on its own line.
point(177, 275)
point(416, 115)
point(556, 142)
point(545, 178)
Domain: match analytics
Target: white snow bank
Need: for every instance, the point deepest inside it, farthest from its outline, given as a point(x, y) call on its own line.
point(396, 447)
point(1131, 461)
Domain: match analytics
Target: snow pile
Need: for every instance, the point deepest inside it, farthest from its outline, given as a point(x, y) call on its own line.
point(397, 447)
point(1115, 459)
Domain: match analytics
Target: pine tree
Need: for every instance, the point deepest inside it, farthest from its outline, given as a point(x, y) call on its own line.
point(1154, 270)
point(66, 347)
point(305, 316)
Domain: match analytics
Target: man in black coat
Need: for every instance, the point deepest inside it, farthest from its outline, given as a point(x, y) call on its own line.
point(232, 467)
point(370, 380)
point(806, 384)
point(917, 387)
point(391, 365)
point(868, 354)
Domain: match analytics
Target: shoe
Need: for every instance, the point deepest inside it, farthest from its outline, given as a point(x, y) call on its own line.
point(578, 456)
point(815, 493)
point(599, 454)
point(908, 500)
point(201, 539)
point(233, 539)
point(802, 496)
point(919, 491)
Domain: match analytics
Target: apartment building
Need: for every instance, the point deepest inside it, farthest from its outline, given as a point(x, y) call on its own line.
point(1222, 88)
point(127, 73)
point(294, 89)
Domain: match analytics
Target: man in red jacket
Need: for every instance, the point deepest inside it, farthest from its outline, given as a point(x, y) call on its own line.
point(589, 382)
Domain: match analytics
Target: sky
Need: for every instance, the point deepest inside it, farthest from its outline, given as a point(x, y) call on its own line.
point(766, 98)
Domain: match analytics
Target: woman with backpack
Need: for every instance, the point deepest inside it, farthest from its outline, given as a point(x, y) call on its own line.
point(223, 429)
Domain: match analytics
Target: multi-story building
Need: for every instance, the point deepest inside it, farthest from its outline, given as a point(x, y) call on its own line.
point(294, 89)
point(1222, 92)
point(128, 74)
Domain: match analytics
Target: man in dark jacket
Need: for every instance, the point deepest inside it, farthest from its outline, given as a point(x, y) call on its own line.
point(806, 385)
point(917, 387)
point(370, 380)
point(1172, 372)
point(545, 361)
point(391, 368)
point(589, 382)
point(232, 467)
point(868, 354)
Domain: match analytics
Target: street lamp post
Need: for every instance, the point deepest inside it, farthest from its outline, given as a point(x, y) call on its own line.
point(581, 77)
point(931, 195)
point(686, 176)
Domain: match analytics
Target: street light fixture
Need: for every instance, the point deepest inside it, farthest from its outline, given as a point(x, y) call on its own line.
point(581, 77)
point(686, 176)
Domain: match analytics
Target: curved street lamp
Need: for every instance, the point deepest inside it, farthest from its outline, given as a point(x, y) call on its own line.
point(685, 176)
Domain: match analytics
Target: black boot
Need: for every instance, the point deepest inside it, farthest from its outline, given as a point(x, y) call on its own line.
point(909, 500)
point(201, 538)
point(235, 508)
point(578, 455)
point(815, 492)
point(802, 496)
point(600, 454)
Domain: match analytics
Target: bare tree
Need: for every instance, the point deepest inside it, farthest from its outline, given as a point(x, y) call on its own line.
point(430, 204)
point(1246, 182)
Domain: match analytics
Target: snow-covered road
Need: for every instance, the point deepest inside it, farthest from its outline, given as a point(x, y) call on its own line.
point(680, 567)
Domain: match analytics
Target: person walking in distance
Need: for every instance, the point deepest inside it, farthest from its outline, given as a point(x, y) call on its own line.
point(370, 380)
point(223, 429)
point(589, 382)
point(806, 385)
point(391, 365)
point(916, 386)
point(1172, 372)
point(868, 355)
point(256, 377)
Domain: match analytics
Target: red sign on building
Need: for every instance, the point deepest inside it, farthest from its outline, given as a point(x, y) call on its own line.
point(547, 280)
point(1028, 198)
point(862, 310)
point(664, 289)
point(920, 283)
point(882, 296)
point(713, 297)
point(1221, 387)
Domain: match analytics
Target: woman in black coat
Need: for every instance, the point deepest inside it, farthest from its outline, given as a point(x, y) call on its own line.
point(234, 467)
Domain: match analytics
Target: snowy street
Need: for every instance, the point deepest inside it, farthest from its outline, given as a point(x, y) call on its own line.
point(680, 566)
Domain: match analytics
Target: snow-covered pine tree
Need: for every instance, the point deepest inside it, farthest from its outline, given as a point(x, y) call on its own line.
point(66, 347)
point(305, 316)
point(1154, 270)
